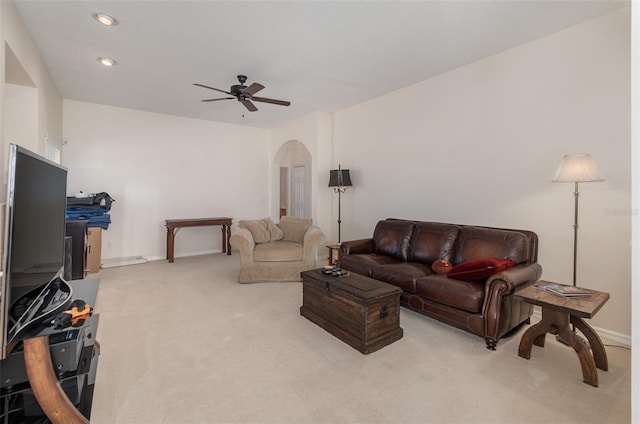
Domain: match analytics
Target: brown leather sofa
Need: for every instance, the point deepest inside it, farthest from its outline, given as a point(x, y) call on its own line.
point(401, 253)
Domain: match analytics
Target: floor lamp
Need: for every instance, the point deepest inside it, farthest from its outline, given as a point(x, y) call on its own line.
point(339, 179)
point(578, 168)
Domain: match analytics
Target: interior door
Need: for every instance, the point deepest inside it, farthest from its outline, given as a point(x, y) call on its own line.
point(298, 189)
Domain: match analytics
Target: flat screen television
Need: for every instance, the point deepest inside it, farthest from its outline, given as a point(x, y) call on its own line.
point(34, 232)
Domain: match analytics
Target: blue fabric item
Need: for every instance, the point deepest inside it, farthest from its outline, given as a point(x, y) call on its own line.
point(88, 209)
point(94, 217)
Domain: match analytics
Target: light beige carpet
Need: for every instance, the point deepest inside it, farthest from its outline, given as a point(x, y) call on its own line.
point(185, 343)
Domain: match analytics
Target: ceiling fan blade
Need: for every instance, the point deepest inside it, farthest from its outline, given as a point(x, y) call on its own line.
point(211, 88)
point(252, 89)
point(250, 106)
point(272, 101)
point(215, 100)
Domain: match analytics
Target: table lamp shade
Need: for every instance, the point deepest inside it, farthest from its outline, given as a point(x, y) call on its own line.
point(339, 178)
point(577, 168)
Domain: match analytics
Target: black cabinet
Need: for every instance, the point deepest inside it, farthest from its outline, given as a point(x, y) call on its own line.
point(77, 230)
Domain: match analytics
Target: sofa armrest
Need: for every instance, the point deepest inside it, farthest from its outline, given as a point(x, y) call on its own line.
point(243, 241)
point(313, 238)
point(502, 285)
point(515, 278)
point(353, 247)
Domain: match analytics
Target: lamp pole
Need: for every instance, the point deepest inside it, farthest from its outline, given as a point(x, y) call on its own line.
point(339, 191)
point(576, 195)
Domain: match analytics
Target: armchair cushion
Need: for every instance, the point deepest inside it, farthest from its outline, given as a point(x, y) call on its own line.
point(278, 251)
point(257, 229)
point(294, 228)
point(262, 230)
point(275, 233)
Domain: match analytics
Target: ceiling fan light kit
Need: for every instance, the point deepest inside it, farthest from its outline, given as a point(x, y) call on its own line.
point(244, 94)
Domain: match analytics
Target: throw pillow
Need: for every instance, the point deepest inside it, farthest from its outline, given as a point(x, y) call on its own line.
point(479, 269)
point(275, 233)
point(294, 228)
point(441, 266)
point(257, 228)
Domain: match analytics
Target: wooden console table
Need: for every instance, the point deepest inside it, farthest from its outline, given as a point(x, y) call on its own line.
point(173, 225)
point(557, 313)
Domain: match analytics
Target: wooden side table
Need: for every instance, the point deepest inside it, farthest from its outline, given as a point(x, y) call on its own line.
point(334, 252)
point(558, 313)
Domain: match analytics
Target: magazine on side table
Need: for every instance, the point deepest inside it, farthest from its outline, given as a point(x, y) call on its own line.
point(566, 291)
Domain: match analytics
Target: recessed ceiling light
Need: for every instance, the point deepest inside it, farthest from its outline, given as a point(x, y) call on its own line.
point(107, 61)
point(105, 19)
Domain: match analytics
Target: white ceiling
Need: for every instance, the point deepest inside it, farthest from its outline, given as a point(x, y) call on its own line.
point(320, 55)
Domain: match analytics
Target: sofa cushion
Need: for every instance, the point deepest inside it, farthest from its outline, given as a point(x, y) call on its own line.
point(294, 228)
point(365, 263)
point(482, 242)
point(391, 237)
point(277, 251)
point(431, 241)
point(401, 274)
point(479, 269)
point(465, 295)
point(257, 228)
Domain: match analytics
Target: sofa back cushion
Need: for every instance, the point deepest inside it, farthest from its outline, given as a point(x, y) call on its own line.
point(482, 242)
point(431, 241)
point(391, 237)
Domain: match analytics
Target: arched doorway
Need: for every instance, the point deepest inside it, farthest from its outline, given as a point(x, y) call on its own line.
point(292, 180)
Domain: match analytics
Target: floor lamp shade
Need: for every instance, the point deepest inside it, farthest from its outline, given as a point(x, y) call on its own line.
point(339, 179)
point(578, 168)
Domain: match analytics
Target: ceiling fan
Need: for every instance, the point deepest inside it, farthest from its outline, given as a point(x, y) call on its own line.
point(244, 94)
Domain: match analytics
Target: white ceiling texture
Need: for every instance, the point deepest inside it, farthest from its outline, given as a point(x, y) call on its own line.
point(320, 55)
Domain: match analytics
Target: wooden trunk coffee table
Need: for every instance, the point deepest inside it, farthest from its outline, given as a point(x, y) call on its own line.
point(361, 311)
point(557, 313)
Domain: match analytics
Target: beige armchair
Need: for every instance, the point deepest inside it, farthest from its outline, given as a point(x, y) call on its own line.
point(276, 252)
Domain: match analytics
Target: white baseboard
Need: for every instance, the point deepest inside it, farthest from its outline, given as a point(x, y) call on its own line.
point(622, 339)
point(130, 260)
point(183, 255)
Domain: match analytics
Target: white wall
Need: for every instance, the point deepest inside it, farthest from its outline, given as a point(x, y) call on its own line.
point(45, 118)
point(480, 144)
point(49, 103)
point(20, 116)
point(161, 167)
